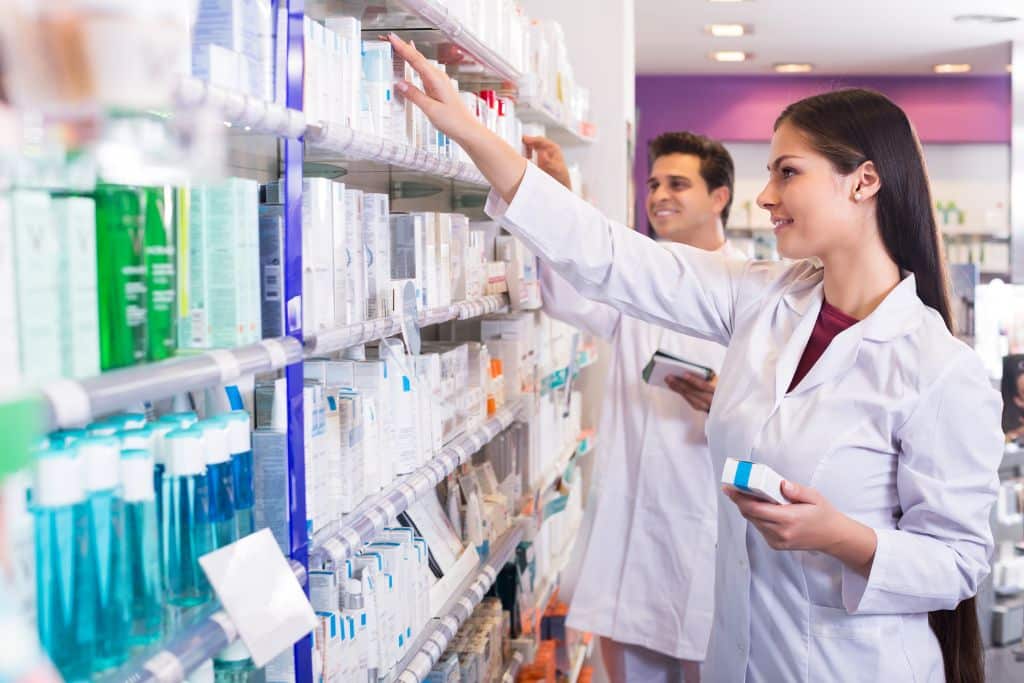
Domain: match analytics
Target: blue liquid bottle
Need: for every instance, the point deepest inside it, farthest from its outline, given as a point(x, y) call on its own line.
point(101, 459)
point(142, 545)
point(240, 445)
point(159, 430)
point(219, 476)
point(107, 427)
point(185, 527)
point(64, 602)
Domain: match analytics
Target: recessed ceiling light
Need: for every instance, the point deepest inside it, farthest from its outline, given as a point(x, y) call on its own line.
point(728, 30)
point(1009, 68)
point(951, 68)
point(730, 56)
point(793, 68)
point(985, 18)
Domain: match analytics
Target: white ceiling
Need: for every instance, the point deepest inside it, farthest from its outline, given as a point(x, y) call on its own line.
point(837, 36)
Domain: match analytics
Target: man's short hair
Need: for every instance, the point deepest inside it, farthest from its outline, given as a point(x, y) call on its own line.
point(716, 167)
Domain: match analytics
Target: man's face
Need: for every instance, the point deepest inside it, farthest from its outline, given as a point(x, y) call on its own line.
point(678, 201)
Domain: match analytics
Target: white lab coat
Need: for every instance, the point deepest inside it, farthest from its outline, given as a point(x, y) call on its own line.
point(648, 573)
point(896, 425)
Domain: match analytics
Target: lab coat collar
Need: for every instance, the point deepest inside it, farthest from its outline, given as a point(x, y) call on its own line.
point(898, 314)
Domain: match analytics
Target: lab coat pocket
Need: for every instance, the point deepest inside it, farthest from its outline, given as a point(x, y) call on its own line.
point(848, 647)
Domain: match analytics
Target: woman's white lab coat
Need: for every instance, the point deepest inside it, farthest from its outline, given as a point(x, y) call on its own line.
point(896, 425)
point(648, 573)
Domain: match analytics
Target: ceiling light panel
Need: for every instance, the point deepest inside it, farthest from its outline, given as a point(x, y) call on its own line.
point(730, 56)
point(728, 30)
point(951, 68)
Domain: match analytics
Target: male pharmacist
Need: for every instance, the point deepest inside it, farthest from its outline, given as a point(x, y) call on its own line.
point(647, 580)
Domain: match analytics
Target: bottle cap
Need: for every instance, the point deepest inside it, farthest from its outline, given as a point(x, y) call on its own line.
point(58, 480)
point(108, 427)
point(132, 420)
point(239, 434)
point(137, 476)
point(137, 439)
point(183, 450)
point(160, 429)
point(353, 598)
point(183, 419)
point(235, 652)
point(215, 440)
point(67, 437)
point(99, 456)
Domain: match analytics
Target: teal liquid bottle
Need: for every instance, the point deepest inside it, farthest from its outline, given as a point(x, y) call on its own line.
point(160, 271)
point(107, 427)
point(143, 558)
point(219, 476)
point(121, 275)
point(130, 420)
point(101, 459)
point(67, 437)
point(160, 430)
point(233, 664)
point(64, 601)
point(185, 520)
point(240, 445)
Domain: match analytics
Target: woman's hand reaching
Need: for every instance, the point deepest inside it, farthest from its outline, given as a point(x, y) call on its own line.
point(502, 165)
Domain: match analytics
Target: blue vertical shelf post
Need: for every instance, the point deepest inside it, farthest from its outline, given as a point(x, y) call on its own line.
point(293, 154)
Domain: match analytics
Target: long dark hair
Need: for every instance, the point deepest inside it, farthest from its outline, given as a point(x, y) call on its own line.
point(852, 126)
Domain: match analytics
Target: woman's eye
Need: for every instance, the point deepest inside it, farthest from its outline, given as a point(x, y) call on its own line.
point(788, 172)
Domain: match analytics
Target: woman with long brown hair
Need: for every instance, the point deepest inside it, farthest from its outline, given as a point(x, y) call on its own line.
point(841, 374)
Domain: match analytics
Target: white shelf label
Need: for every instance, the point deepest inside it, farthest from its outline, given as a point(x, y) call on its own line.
point(275, 349)
point(227, 364)
point(255, 566)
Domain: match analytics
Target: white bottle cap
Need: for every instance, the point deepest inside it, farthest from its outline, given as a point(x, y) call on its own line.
point(215, 441)
point(183, 449)
point(137, 476)
point(58, 480)
point(235, 652)
point(183, 419)
point(160, 430)
point(136, 439)
point(107, 427)
point(100, 455)
point(239, 434)
point(132, 420)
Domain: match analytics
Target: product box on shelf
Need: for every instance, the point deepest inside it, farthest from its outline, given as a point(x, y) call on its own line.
point(377, 247)
point(37, 288)
point(75, 221)
point(320, 260)
point(233, 46)
point(9, 329)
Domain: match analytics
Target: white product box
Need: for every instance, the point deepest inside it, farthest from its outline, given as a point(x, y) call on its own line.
point(75, 221)
point(377, 248)
point(443, 226)
point(36, 268)
point(459, 255)
point(406, 252)
point(356, 276)
point(754, 479)
point(9, 359)
point(318, 256)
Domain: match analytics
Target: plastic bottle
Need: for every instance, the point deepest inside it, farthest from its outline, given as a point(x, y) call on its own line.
point(143, 557)
point(160, 272)
point(67, 437)
point(106, 541)
point(64, 575)
point(121, 276)
point(130, 420)
point(107, 427)
point(219, 478)
point(233, 664)
point(240, 445)
point(185, 527)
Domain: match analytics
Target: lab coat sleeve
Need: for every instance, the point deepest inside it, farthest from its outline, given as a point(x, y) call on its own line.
point(563, 302)
point(950, 449)
point(675, 286)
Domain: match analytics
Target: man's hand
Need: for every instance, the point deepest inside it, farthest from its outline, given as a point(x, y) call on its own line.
point(697, 391)
point(549, 158)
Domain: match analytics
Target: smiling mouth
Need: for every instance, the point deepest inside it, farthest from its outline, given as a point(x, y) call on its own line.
point(781, 223)
point(662, 213)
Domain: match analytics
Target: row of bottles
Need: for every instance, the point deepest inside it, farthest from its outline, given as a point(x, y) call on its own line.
point(123, 511)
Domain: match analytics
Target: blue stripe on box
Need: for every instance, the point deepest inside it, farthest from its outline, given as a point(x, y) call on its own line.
point(742, 478)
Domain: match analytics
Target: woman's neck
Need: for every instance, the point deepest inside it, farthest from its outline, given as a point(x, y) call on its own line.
point(857, 281)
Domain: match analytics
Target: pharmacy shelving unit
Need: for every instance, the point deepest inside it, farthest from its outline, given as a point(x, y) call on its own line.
point(71, 402)
point(428, 648)
point(558, 128)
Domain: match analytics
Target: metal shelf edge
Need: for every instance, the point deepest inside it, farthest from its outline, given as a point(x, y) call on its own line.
point(360, 527)
point(72, 403)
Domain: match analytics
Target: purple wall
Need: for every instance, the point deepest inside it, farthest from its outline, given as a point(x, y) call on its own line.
point(972, 109)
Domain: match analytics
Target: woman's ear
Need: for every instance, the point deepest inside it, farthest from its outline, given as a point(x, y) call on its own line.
point(867, 182)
